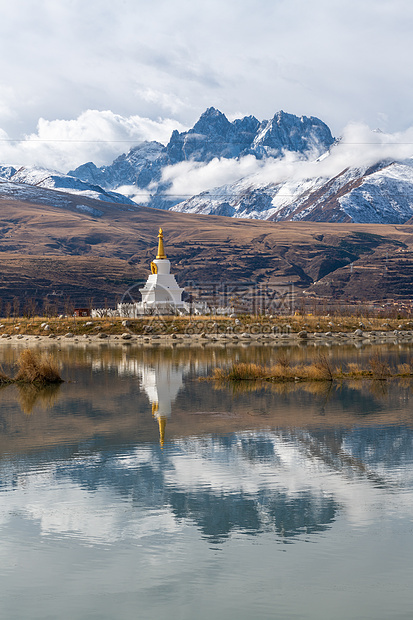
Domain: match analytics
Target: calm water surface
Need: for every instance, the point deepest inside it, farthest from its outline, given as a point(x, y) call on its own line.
point(135, 490)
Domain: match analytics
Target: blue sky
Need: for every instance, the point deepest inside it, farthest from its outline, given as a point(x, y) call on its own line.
point(151, 66)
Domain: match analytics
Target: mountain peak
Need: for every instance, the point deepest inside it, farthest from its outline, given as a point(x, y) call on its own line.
point(288, 132)
point(379, 193)
point(211, 112)
point(212, 121)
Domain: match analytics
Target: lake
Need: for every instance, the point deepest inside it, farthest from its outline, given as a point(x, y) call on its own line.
point(138, 489)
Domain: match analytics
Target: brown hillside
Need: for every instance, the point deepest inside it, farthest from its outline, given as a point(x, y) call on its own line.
point(54, 253)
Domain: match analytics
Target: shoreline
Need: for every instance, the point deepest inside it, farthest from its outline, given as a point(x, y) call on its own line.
point(294, 330)
point(244, 339)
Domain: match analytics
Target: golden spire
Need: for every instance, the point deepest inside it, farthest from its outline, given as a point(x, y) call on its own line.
point(162, 424)
point(161, 251)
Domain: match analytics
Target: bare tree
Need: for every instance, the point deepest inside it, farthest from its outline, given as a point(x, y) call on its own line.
point(16, 307)
point(30, 308)
point(8, 309)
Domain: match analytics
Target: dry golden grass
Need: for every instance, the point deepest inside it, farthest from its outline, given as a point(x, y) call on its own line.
point(241, 372)
point(318, 370)
point(354, 369)
point(36, 368)
point(197, 325)
point(404, 370)
point(282, 388)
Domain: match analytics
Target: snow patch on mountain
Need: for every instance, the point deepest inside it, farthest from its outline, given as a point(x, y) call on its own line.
point(89, 210)
point(36, 195)
point(7, 171)
point(382, 194)
point(385, 196)
point(40, 177)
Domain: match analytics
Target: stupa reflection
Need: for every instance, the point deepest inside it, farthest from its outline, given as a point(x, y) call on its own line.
point(161, 382)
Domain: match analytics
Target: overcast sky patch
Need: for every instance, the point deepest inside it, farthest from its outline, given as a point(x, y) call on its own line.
point(342, 61)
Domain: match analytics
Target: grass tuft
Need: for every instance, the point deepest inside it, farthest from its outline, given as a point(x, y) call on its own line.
point(36, 368)
point(240, 372)
point(404, 370)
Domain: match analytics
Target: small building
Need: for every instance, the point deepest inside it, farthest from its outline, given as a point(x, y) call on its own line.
point(81, 312)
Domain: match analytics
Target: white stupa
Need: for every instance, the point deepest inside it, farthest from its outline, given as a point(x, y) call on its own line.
point(161, 292)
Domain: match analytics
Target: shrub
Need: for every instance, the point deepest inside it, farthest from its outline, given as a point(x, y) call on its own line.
point(36, 368)
point(283, 361)
point(380, 369)
point(354, 369)
point(405, 370)
point(323, 368)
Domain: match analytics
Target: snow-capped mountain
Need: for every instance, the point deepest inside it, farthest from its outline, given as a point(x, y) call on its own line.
point(42, 178)
point(380, 194)
point(214, 136)
point(138, 168)
point(285, 168)
point(141, 172)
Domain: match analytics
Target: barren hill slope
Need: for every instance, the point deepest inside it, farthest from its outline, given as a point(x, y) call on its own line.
point(97, 253)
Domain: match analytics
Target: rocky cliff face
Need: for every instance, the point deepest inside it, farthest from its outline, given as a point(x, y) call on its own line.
point(214, 136)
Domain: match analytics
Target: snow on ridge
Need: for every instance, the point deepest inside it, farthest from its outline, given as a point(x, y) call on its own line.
point(382, 195)
point(33, 176)
point(89, 210)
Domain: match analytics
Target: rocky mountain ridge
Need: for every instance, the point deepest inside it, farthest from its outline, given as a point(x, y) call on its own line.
point(379, 193)
point(213, 137)
point(273, 169)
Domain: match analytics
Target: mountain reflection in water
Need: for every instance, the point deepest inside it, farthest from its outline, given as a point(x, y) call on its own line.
point(136, 488)
point(270, 459)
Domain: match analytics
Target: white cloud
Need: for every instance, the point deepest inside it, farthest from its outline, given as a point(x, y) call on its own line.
point(167, 101)
point(189, 178)
point(340, 61)
point(358, 147)
point(140, 196)
point(97, 136)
